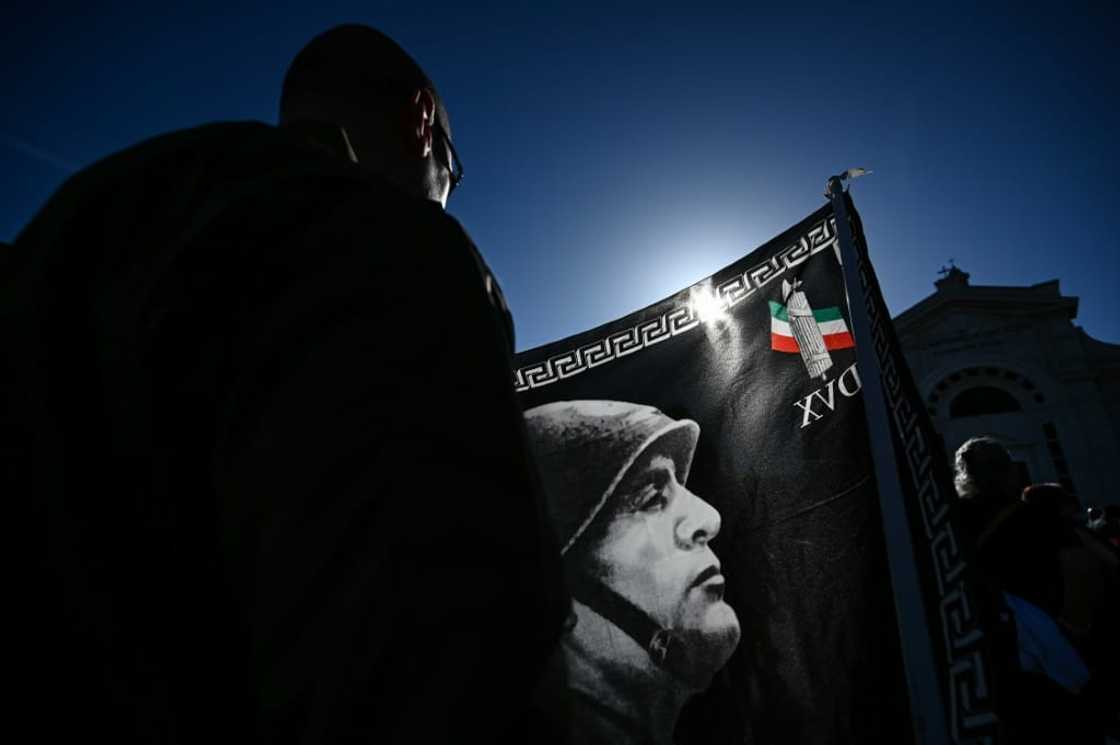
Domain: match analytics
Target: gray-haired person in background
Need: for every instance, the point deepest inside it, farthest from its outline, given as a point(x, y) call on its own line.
point(651, 624)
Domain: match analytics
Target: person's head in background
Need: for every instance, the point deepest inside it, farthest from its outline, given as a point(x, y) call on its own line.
point(982, 470)
point(355, 91)
point(1054, 499)
point(985, 480)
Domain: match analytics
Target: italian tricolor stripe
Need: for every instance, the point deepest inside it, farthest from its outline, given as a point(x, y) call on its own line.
point(829, 321)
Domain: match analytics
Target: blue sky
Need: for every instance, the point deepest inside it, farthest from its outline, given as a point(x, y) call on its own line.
point(618, 152)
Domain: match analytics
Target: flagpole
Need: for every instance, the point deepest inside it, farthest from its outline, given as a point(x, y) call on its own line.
point(927, 706)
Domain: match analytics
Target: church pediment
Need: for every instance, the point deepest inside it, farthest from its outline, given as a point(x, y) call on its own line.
point(961, 323)
point(960, 311)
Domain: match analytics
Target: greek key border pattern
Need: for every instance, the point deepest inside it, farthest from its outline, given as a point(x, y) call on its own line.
point(971, 703)
point(677, 320)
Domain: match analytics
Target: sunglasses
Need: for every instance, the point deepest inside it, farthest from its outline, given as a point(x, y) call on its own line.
point(455, 167)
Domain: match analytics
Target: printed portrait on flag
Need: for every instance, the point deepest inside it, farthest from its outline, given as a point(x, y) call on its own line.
point(708, 471)
point(651, 626)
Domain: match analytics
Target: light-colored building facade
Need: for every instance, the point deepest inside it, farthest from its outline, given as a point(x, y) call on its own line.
point(1008, 362)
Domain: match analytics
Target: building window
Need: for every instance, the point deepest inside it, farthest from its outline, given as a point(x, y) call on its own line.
point(959, 380)
point(983, 400)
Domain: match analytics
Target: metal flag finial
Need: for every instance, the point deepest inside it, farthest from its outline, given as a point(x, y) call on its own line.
point(835, 184)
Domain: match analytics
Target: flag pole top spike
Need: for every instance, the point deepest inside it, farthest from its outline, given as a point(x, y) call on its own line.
point(835, 184)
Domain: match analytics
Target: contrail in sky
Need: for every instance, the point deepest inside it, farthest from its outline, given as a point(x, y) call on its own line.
point(37, 153)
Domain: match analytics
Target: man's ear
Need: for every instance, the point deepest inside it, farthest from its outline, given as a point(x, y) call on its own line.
point(419, 117)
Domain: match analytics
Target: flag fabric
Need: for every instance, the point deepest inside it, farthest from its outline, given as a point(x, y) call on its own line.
point(716, 498)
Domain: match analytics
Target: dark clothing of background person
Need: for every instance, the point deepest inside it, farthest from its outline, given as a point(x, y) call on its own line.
point(1018, 549)
point(1017, 545)
point(260, 404)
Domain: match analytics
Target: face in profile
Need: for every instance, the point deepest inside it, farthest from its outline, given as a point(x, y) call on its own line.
point(654, 551)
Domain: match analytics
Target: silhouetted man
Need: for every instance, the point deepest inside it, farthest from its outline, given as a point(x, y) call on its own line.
point(651, 624)
point(259, 398)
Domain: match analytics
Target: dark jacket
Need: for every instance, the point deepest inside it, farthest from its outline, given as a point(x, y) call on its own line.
point(260, 406)
point(1018, 549)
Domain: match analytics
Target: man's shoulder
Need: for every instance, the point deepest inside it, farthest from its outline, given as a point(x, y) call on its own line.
point(191, 176)
point(174, 169)
point(262, 170)
point(233, 142)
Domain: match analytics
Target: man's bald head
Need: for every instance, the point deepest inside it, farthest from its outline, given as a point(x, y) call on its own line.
point(349, 71)
point(357, 78)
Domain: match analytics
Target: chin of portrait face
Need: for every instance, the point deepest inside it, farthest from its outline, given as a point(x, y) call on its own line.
point(709, 644)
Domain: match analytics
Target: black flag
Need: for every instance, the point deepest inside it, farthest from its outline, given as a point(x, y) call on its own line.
point(710, 477)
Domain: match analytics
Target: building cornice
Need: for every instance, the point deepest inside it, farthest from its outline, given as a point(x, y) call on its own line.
point(1037, 300)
